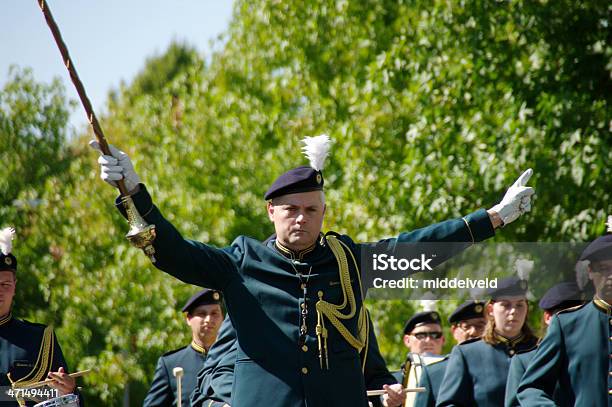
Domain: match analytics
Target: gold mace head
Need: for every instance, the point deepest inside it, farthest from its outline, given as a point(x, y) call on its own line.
point(141, 234)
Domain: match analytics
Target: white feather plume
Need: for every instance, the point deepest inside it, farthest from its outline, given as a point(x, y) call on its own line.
point(6, 240)
point(582, 273)
point(316, 150)
point(609, 223)
point(524, 267)
point(477, 294)
point(429, 304)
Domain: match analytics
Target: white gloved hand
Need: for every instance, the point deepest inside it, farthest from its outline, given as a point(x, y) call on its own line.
point(517, 200)
point(116, 166)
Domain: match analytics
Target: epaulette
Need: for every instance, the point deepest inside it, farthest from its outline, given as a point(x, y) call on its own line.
point(31, 326)
point(173, 351)
point(470, 341)
point(441, 359)
point(323, 240)
point(34, 324)
point(332, 233)
point(572, 309)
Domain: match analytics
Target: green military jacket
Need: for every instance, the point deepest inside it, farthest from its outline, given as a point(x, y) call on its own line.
point(216, 378)
point(576, 354)
point(163, 391)
point(262, 286)
point(477, 372)
point(28, 351)
point(431, 379)
point(518, 365)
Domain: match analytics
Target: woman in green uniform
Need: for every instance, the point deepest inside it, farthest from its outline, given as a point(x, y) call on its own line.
point(477, 369)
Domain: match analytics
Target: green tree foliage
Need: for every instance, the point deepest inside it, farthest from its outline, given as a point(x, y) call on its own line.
point(33, 129)
point(161, 69)
point(34, 149)
point(435, 108)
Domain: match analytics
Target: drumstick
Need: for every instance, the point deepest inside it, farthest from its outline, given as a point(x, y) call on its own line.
point(381, 392)
point(178, 373)
point(48, 381)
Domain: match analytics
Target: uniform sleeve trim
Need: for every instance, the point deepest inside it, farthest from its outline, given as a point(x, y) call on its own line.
point(467, 224)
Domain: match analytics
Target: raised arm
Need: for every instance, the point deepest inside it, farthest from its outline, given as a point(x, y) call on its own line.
point(190, 261)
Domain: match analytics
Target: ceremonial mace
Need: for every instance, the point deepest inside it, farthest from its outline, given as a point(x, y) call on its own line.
point(141, 234)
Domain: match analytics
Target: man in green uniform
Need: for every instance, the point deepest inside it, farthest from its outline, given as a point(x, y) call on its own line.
point(424, 339)
point(467, 322)
point(29, 352)
point(203, 314)
point(296, 302)
point(576, 352)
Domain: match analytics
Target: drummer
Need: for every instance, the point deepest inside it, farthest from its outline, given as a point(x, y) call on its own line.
point(30, 352)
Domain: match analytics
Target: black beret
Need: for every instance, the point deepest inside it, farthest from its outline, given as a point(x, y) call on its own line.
point(8, 262)
point(204, 297)
point(509, 287)
point(467, 310)
point(599, 249)
point(561, 296)
point(300, 179)
point(420, 318)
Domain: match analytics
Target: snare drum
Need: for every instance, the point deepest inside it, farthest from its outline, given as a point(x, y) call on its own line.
point(69, 400)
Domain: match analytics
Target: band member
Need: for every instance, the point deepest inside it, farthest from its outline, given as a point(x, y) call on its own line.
point(424, 339)
point(30, 352)
point(203, 314)
point(302, 291)
point(467, 322)
point(576, 351)
point(477, 369)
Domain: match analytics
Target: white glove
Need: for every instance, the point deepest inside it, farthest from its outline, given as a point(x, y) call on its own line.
point(116, 166)
point(517, 200)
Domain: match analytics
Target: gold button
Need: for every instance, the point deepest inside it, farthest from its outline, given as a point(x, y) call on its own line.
point(611, 322)
point(511, 352)
point(610, 373)
point(304, 370)
point(320, 294)
point(610, 392)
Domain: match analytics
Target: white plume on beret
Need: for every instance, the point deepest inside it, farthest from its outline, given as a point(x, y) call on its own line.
point(609, 223)
point(316, 150)
point(524, 267)
point(428, 305)
point(582, 273)
point(6, 240)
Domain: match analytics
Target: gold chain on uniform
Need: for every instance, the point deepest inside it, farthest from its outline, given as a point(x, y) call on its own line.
point(42, 366)
point(333, 312)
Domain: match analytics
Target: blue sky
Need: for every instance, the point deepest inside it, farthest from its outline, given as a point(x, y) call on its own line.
point(108, 40)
